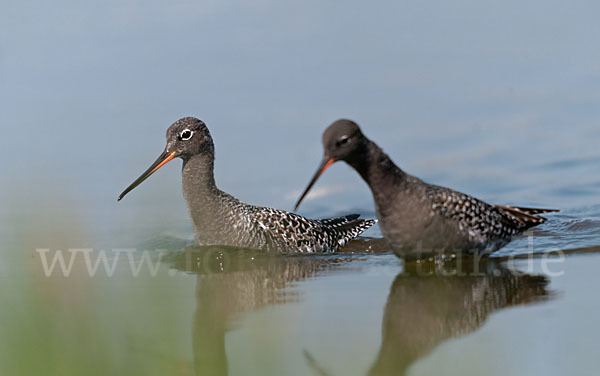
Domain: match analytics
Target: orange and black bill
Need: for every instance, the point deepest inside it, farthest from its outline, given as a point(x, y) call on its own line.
point(160, 161)
point(325, 163)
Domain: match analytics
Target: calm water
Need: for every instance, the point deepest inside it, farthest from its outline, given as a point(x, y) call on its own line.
point(497, 100)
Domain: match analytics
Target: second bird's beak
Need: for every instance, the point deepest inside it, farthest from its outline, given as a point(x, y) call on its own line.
point(160, 161)
point(325, 163)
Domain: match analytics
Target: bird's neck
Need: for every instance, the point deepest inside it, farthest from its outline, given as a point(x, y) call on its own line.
point(206, 204)
point(198, 178)
point(378, 171)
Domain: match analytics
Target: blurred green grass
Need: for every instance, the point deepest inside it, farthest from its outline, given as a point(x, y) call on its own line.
point(82, 325)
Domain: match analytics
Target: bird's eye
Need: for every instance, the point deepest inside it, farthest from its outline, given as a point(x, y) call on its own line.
point(186, 134)
point(342, 141)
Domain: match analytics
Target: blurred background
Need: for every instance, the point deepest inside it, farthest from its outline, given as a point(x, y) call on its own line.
point(498, 99)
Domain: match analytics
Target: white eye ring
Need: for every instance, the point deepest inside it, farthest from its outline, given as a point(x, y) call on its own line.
point(343, 140)
point(186, 134)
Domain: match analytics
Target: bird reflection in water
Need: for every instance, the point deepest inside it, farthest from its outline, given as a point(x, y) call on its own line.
point(230, 282)
point(427, 304)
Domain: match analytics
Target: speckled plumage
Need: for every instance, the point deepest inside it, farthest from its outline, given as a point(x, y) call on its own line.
point(486, 226)
point(418, 218)
point(278, 230)
point(221, 219)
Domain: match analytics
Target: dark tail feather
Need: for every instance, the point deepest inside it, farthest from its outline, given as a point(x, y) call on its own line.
point(348, 226)
point(339, 221)
point(355, 227)
point(527, 216)
point(534, 211)
point(351, 224)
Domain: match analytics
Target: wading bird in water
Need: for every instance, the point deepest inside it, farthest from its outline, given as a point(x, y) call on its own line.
point(221, 219)
point(420, 219)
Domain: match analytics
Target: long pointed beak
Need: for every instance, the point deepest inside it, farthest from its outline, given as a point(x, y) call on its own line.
point(325, 163)
point(160, 161)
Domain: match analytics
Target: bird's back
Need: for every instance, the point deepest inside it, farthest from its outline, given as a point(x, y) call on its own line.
point(432, 219)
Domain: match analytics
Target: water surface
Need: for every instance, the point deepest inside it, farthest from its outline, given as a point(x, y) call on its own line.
point(497, 100)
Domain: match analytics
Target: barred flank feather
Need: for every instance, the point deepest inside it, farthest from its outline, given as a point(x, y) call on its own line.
point(487, 221)
point(311, 235)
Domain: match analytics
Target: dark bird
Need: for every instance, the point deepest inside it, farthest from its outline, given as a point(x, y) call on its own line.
point(221, 219)
point(420, 219)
